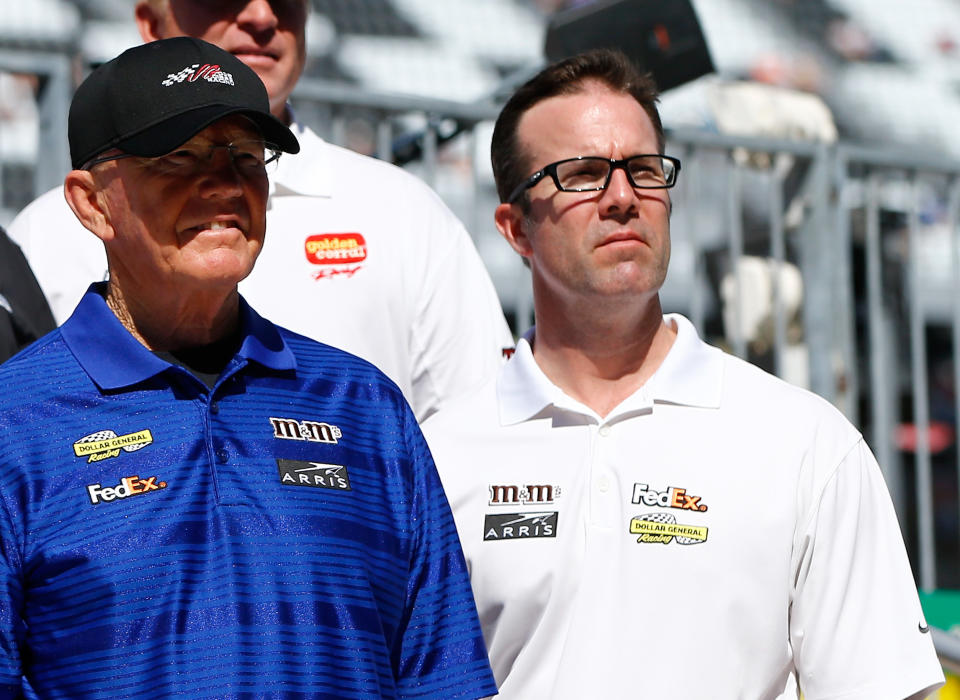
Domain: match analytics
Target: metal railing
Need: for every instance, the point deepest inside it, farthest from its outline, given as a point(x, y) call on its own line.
point(883, 217)
point(55, 85)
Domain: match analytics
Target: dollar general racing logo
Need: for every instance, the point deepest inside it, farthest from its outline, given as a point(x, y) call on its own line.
point(106, 443)
point(313, 474)
point(128, 486)
point(662, 528)
point(673, 497)
point(291, 429)
point(519, 526)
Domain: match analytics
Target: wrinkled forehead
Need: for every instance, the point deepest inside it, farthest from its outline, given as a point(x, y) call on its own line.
point(593, 122)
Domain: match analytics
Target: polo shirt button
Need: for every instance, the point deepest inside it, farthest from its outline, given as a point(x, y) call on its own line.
point(604, 430)
point(221, 455)
point(604, 483)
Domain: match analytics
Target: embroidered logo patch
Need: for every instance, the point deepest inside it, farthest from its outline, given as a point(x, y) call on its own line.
point(128, 486)
point(511, 495)
point(335, 248)
point(519, 526)
point(337, 254)
point(662, 528)
point(673, 497)
point(208, 72)
point(312, 431)
point(313, 474)
point(105, 444)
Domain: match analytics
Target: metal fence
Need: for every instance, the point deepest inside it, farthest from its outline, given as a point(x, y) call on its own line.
point(835, 266)
point(874, 236)
point(54, 84)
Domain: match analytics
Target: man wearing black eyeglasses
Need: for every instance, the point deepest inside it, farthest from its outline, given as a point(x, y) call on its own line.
point(644, 516)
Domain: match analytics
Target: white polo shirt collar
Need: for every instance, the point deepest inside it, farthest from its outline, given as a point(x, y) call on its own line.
point(306, 173)
point(691, 375)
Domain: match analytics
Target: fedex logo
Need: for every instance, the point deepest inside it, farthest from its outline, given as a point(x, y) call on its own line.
point(673, 497)
point(128, 486)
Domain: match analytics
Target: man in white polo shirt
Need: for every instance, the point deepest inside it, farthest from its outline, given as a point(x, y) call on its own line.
point(643, 515)
point(360, 254)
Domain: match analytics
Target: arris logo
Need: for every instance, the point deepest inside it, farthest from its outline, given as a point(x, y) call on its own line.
point(314, 474)
point(519, 526)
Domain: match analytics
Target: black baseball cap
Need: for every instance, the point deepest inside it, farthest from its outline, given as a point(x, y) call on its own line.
point(156, 96)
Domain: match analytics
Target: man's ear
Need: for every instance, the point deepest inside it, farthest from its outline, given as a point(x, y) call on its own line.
point(83, 196)
point(512, 225)
point(148, 22)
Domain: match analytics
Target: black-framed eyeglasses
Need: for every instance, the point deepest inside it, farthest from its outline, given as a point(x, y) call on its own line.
point(247, 156)
point(593, 173)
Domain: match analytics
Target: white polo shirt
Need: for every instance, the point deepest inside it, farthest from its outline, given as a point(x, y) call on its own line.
point(359, 254)
point(64, 256)
point(721, 534)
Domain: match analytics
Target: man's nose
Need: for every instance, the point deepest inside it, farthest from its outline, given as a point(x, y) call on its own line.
point(259, 15)
point(620, 195)
point(218, 176)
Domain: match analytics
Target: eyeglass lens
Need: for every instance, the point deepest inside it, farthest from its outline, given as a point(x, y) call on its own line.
point(592, 173)
point(246, 155)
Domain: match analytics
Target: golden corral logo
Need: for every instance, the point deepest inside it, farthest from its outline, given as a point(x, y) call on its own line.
point(662, 528)
point(105, 444)
point(335, 248)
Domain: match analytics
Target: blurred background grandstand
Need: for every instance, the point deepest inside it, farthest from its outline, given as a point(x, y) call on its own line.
point(887, 71)
point(817, 211)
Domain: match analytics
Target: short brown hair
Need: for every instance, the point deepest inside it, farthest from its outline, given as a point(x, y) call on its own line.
point(567, 77)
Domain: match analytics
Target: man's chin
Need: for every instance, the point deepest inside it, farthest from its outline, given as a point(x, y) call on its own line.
point(267, 68)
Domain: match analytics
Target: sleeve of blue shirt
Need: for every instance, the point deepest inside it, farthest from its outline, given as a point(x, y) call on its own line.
point(439, 650)
point(11, 603)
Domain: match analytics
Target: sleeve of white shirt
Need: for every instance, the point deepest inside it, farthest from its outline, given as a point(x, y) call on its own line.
point(856, 621)
point(460, 329)
point(64, 256)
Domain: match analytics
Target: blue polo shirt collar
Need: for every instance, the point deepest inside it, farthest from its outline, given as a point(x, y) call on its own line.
point(114, 359)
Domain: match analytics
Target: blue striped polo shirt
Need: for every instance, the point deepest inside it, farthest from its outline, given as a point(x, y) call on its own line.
point(281, 535)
